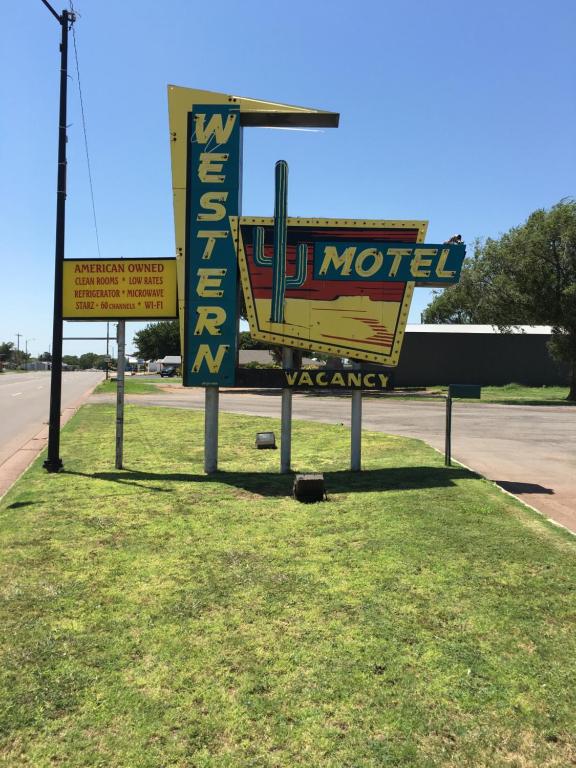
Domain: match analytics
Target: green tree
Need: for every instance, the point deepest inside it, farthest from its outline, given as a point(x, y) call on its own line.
point(88, 360)
point(527, 276)
point(45, 357)
point(6, 352)
point(158, 340)
point(297, 355)
point(245, 341)
point(72, 360)
point(19, 358)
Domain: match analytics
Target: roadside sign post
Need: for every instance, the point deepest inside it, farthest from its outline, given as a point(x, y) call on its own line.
point(206, 139)
point(107, 350)
point(120, 369)
point(340, 287)
point(286, 424)
point(116, 290)
point(448, 440)
point(211, 404)
point(469, 391)
point(356, 428)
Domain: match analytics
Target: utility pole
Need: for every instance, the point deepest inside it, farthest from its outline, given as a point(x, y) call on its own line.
point(19, 362)
point(54, 463)
point(26, 354)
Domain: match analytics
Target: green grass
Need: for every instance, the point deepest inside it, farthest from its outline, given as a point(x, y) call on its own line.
point(517, 394)
point(507, 394)
point(132, 386)
point(158, 617)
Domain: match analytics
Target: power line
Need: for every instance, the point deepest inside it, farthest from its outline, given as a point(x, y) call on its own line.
point(85, 134)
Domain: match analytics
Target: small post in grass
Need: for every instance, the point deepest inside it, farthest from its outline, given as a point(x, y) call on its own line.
point(211, 403)
point(356, 428)
point(121, 341)
point(469, 391)
point(448, 440)
point(286, 425)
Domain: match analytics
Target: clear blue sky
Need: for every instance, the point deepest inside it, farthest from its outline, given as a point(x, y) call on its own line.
point(457, 112)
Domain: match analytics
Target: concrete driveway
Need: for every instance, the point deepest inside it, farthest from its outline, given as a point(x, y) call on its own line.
point(528, 450)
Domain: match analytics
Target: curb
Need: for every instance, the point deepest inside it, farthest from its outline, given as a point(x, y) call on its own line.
point(509, 493)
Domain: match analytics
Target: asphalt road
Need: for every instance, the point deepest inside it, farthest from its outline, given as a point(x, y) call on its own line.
point(528, 450)
point(25, 403)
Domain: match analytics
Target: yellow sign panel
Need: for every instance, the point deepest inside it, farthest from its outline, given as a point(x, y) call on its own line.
point(120, 289)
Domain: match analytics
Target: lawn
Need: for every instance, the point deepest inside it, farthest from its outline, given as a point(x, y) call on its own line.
point(507, 394)
point(155, 617)
point(132, 386)
point(517, 394)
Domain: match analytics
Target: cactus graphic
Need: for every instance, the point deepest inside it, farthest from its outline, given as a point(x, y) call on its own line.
point(280, 280)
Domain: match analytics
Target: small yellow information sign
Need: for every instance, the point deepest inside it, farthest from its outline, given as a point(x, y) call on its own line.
point(119, 289)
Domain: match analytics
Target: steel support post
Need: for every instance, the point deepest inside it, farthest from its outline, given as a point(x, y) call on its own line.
point(356, 428)
point(107, 350)
point(120, 369)
point(211, 404)
point(286, 426)
point(448, 442)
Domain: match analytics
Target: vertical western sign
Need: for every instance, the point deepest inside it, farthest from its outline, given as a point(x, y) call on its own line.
point(213, 196)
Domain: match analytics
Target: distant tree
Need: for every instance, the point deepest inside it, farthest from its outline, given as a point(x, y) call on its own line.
point(71, 360)
point(245, 341)
point(88, 360)
point(45, 357)
point(6, 351)
point(163, 338)
point(527, 276)
point(19, 357)
point(158, 340)
point(297, 354)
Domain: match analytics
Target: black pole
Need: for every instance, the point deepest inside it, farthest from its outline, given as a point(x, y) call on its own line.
point(54, 463)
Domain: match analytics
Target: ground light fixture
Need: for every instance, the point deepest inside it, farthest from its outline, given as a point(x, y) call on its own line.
point(265, 440)
point(309, 488)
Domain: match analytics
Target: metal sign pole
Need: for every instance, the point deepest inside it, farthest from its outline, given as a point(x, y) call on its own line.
point(448, 442)
point(356, 428)
point(107, 350)
point(121, 340)
point(211, 402)
point(286, 426)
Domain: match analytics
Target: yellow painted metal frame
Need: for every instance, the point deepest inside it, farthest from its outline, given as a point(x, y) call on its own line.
point(341, 351)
